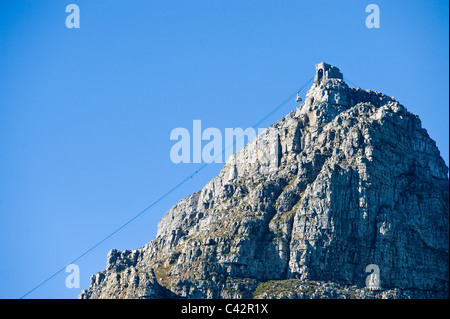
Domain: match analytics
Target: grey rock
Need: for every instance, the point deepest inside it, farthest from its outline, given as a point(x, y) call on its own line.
point(349, 178)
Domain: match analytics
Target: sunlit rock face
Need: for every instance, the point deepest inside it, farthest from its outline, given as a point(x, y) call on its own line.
point(348, 179)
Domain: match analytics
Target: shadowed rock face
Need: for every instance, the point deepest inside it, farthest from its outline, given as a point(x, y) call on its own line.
point(348, 179)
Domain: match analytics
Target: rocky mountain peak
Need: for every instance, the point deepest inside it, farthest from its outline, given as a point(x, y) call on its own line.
point(349, 179)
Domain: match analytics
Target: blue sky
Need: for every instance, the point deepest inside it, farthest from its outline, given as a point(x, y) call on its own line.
point(86, 114)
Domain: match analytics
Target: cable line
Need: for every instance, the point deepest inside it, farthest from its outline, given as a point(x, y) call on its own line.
point(346, 79)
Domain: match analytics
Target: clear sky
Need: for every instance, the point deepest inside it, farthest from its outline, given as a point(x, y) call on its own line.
point(86, 114)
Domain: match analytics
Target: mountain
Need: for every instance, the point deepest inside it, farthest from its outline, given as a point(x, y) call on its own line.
point(347, 182)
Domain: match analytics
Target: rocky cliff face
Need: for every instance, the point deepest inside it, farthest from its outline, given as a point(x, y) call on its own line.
point(348, 179)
